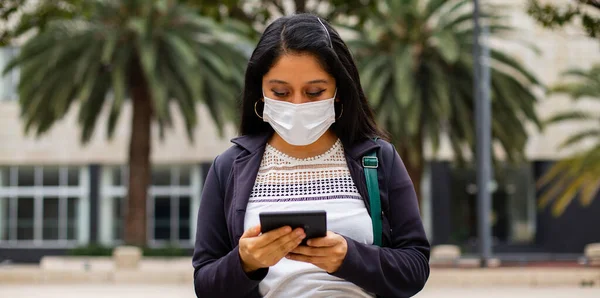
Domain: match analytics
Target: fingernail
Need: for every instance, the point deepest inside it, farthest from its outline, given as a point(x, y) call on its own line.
point(299, 232)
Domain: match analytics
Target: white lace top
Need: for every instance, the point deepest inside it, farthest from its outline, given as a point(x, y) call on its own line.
point(322, 182)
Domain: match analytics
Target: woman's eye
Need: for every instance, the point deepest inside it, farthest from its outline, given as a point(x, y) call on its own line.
point(279, 94)
point(315, 94)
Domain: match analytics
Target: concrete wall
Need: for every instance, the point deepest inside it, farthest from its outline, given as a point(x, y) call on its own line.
point(62, 144)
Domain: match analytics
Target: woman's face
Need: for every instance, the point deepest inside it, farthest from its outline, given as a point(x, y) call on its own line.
point(298, 78)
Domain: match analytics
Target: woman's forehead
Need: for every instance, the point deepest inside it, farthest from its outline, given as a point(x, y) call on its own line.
point(297, 68)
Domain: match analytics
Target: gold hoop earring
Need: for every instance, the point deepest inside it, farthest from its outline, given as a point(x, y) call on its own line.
point(341, 112)
point(255, 112)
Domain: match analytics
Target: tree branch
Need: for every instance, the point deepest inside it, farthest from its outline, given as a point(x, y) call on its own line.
point(238, 13)
point(300, 6)
point(593, 3)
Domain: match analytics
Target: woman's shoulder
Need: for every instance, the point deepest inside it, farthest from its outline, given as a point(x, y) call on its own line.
point(241, 145)
point(226, 158)
point(387, 149)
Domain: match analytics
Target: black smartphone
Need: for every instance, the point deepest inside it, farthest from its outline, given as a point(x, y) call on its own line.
point(314, 223)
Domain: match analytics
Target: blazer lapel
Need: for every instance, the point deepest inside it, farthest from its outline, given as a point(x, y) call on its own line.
point(245, 170)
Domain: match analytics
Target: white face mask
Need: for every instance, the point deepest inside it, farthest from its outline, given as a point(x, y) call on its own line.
point(299, 124)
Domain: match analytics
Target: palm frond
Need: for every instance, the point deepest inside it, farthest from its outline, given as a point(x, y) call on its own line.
point(403, 79)
point(119, 87)
point(573, 115)
point(88, 60)
point(579, 90)
point(439, 63)
point(589, 191)
point(90, 107)
point(433, 7)
point(592, 133)
point(567, 195)
point(448, 45)
point(569, 178)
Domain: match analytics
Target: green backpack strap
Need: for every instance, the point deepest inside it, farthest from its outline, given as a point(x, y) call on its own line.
point(370, 163)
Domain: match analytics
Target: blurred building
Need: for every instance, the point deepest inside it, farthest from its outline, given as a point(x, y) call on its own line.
point(57, 194)
point(520, 229)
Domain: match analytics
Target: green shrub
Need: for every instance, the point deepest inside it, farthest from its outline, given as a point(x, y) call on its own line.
point(93, 250)
point(168, 251)
point(96, 250)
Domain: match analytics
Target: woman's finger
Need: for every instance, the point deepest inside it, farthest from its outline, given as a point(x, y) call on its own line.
point(251, 232)
point(332, 239)
point(313, 251)
point(307, 259)
point(271, 236)
point(289, 242)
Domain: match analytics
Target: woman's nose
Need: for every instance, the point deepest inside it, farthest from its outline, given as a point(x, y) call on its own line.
point(298, 98)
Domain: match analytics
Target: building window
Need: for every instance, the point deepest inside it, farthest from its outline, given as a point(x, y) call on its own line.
point(42, 206)
point(518, 184)
point(9, 82)
point(25, 218)
point(513, 206)
point(173, 200)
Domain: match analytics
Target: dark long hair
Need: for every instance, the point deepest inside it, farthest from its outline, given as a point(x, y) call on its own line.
point(304, 33)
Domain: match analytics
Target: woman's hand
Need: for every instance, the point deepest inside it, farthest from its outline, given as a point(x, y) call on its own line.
point(327, 252)
point(262, 251)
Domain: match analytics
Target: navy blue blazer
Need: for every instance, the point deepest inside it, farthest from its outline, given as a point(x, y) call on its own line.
point(398, 269)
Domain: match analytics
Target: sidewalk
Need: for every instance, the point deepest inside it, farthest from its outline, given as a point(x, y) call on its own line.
point(504, 292)
point(186, 291)
point(179, 272)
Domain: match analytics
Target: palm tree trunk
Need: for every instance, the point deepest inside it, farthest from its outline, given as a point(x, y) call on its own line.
point(414, 166)
point(300, 6)
point(415, 171)
point(414, 160)
point(139, 161)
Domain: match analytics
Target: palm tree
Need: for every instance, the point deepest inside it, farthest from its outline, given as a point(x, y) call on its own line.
point(416, 63)
point(153, 53)
point(578, 175)
point(37, 18)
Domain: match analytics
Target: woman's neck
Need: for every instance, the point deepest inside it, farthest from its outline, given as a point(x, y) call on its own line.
point(324, 143)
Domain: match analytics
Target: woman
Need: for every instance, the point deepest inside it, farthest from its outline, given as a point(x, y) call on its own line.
point(305, 127)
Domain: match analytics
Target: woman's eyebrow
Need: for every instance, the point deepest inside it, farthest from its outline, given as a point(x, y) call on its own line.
point(275, 81)
point(279, 82)
point(317, 81)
